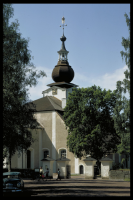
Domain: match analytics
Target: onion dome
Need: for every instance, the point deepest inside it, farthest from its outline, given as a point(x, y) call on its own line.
point(63, 71)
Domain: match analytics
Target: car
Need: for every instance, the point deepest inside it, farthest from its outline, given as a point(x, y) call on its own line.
point(12, 183)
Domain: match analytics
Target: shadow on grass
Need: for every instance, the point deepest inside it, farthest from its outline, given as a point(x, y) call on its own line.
point(82, 191)
point(70, 181)
point(63, 188)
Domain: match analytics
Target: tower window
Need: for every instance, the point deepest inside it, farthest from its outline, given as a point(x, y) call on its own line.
point(63, 153)
point(46, 152)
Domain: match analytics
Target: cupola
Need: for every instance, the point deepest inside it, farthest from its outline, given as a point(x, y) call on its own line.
point(63, 72)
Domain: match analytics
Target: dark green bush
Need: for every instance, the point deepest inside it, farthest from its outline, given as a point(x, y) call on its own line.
point(117, 166)
point(25, 173)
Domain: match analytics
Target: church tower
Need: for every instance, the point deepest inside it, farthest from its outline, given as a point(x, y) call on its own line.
point(62, 74)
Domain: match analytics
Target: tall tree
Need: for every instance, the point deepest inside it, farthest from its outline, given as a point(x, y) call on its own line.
point(18, 73)
point(88, 118)
point(122, 109)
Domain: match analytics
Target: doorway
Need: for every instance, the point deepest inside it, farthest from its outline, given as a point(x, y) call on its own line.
point(81, 169)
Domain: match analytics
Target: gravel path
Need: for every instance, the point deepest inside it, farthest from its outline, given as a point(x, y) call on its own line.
point(77, 186)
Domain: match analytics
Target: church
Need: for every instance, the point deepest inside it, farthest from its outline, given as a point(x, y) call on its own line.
point(49, 149)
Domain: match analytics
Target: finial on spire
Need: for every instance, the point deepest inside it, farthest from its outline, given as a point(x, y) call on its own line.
point(63, 21)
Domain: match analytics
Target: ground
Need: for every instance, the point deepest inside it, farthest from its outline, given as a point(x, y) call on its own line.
point(77, 186)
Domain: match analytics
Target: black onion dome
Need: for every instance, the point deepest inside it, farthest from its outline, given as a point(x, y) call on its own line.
point(63, 72)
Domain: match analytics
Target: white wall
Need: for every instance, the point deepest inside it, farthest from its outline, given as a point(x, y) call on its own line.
point(61, 93)
point(5, 161)
point(89, 169)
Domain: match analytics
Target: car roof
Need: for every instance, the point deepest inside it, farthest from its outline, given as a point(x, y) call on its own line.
point(11, 173)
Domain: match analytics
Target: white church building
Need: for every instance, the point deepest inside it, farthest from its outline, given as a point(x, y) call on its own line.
point(49, 149)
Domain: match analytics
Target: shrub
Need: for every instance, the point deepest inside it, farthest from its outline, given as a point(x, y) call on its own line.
point(117, 166)
point(25, 173)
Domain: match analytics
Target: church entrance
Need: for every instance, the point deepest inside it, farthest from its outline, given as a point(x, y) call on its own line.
point(28, 159)
point(81, 169)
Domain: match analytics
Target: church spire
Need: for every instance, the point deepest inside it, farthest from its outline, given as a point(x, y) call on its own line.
point(63, 71)
point(63, 52)
point(63, 21)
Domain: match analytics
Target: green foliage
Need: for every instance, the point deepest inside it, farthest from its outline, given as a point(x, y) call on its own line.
point(122, 109)
point(117, 166)
point(127, 179)
point(88, 118)
point(18, 73)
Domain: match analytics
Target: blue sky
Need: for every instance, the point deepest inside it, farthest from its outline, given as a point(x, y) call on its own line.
point(94, 34)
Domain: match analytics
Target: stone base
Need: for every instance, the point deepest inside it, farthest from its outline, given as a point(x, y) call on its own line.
point(105, 177)
point(55, 175)
point(119, 174)
point(127, 176)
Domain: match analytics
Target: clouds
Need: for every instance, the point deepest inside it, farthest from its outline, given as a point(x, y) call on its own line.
point(107, 81)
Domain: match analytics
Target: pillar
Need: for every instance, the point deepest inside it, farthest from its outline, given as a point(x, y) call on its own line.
point(76, 166)
point(54, 140)
point(40, 147)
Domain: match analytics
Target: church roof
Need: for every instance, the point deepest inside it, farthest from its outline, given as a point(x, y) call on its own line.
point(62, 85)
point(62, 159)
point(48, 103)
point(89, 159)
point(47, 159)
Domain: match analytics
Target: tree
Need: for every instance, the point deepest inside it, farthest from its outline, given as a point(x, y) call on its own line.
point(122, 109)
point(18, 73)
point(88, 118)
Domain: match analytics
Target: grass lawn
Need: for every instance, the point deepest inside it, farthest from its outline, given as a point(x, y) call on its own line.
point(124, 169)
point(127, 179)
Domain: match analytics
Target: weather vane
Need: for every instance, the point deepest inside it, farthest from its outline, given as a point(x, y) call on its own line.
point(63, 21)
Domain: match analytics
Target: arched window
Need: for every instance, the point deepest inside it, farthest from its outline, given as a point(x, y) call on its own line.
point(46, 152)
point(63, 153)
point(28, 159)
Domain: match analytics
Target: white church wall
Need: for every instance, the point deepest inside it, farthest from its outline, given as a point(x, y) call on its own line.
point(61, 93)
point(5, 163)
point(63, 102)
point(61, 133)
point(45, 118)
point(13, 161)
point(34, 148)
point(61, 141)
point(32, 157)
point(19, 160)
